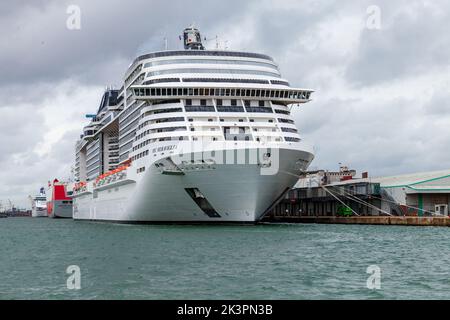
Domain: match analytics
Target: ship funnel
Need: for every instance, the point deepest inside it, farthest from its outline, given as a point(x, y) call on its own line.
point(192, 39)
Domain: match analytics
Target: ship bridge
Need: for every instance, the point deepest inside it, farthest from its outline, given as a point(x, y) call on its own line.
point(217, 91)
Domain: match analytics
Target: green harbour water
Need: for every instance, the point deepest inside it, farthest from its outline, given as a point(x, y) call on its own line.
point(270, 261)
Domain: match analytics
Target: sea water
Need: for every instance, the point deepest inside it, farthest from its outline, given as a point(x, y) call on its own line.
point(42, 258)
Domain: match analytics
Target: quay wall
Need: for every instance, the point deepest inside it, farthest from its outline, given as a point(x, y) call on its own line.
point(374, 220)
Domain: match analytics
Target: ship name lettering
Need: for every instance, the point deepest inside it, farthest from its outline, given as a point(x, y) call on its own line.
point(165, 148)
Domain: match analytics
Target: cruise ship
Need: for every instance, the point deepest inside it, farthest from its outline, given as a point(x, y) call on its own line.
point(39, 205)
point(193, 135)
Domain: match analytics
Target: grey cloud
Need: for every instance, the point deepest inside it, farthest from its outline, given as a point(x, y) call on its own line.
point(439, 103)
point(410, 42)
point(43, 49)
point(383, 137)
point(19, 134)
point(12, 7)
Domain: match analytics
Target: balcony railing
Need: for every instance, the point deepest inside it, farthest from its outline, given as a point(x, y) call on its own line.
point(199, 108)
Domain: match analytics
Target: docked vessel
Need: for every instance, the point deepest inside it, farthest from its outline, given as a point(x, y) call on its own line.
point(193, 135)
point(3, 211)
point(39, 205)
point(59, 201)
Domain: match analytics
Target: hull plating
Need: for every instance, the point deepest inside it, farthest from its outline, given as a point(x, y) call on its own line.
point(236, 192)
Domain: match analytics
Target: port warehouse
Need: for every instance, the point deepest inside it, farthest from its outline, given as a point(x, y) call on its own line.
point(323, 193)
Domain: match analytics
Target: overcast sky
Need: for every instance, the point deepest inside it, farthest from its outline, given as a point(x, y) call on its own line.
point(381, 86)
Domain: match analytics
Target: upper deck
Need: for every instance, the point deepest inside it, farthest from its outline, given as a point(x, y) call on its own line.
point(195, 53)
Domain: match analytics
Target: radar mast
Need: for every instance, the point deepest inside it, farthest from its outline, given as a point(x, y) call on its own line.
point(192, 39)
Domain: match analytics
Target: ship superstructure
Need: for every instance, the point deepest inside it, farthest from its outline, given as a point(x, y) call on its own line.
point(59, 201)
point(97, 151)
point(193, 135)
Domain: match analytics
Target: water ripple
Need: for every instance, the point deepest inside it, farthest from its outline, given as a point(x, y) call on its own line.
point(270, 261)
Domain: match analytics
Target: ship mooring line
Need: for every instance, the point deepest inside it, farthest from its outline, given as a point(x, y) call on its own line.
point(354, 198)
point(342, 202)
point(337, 198)
point(359, 200)
point(423, 210)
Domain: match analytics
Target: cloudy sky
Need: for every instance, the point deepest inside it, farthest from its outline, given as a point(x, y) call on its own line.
point(382, 85)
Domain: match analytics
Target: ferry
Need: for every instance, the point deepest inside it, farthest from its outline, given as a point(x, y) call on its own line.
point(59, 201)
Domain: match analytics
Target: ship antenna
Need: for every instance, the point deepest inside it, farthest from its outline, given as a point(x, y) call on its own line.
point(216, 38)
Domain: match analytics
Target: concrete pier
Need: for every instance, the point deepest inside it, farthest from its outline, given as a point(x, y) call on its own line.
point(373, 220)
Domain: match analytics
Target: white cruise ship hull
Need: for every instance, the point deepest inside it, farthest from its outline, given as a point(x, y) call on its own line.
point(38, 213)
point(60, 209)
point(235, 193)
